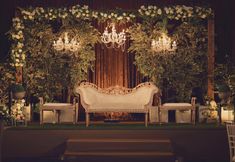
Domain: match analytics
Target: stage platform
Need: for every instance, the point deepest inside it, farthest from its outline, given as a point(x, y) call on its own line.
point(118, 142)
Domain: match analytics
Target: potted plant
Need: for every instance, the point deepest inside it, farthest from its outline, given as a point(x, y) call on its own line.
point(18, 91)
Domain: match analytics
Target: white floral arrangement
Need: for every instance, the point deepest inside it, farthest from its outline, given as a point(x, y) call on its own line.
point(39, 14)
point(212, 112)
point(17, 36)
point(179, 12)
point(17, 110)
point(114, 16)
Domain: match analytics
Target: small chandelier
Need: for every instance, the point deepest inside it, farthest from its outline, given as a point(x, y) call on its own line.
point(64, 44)
point(114, 39)
point(163, 44)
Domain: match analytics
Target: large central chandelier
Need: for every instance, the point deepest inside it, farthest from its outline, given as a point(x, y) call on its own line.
point(113, 39)
point(65, 44)
point(163, 44)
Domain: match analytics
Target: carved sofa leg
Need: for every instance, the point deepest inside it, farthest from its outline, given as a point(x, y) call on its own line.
point(146, 119)
point(87, 119)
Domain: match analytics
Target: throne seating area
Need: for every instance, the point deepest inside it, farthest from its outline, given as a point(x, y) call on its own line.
point(116, 99)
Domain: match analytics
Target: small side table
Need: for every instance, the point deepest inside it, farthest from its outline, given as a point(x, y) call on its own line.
point(56, 108)
point(178, 106)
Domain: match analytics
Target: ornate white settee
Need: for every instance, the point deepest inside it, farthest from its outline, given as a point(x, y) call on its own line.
point(116, 99)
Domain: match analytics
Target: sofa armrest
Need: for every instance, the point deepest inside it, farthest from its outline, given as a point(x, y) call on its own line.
point(41, 101)
point(156, 99)
point(193, 101)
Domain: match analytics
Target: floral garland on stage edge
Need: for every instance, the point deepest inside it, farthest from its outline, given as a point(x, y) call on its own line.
point(17, 110)
point(78, 12)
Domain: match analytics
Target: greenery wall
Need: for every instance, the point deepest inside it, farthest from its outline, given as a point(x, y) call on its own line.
point(47, 71)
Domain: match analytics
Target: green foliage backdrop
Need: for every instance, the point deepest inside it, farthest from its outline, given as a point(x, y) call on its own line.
point(179, 71)
point(46, 71)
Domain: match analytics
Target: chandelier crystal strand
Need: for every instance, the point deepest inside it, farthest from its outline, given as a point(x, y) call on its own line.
point(65, 44)
point(163, 44)
point(114, 39)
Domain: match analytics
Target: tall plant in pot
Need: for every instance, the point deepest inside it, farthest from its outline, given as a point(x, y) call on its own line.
point(18, 91)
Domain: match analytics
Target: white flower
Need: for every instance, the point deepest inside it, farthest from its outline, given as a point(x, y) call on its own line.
point(16, 19)
point(78, 15)
point(159, 11)
point(147, 13)
point(120, 18)
point(23, 57)
point(213, 104)
point(105, 15)
point(17, 60)
point(166, 10)
point(203, 16)
point(142, 7)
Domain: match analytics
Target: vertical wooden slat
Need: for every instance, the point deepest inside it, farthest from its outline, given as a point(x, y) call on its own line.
point(211, 58)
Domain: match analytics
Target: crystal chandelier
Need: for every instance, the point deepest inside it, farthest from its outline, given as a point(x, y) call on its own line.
point(163, 44)
point(114, 39)
point(64, 44)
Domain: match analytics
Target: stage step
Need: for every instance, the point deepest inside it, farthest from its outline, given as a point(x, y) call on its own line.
point(148, 148)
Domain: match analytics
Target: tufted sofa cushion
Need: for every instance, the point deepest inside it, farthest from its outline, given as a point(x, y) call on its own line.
point(137, 100)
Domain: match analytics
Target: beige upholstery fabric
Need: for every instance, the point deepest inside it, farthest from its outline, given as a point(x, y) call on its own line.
point(137, 100)
point(177, 104)
point(116, 99)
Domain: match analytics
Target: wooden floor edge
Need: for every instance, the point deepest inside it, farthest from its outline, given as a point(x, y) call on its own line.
point(118, 153)
point(120, 140)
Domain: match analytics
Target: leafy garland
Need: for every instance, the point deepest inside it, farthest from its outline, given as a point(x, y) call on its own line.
point(39, 14)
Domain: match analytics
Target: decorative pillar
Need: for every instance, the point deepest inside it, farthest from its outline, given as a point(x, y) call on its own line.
point(211, 58)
